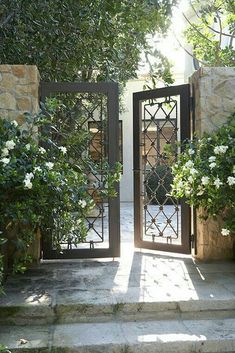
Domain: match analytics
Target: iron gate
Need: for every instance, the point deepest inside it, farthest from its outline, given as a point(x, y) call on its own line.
point(95, 108)
point(160, 117)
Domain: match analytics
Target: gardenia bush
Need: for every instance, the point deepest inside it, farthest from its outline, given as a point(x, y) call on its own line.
point(205, 175)
point(40, 188)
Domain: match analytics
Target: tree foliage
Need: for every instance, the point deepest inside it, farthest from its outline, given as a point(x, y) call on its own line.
point(212, 33)
point(80, 40)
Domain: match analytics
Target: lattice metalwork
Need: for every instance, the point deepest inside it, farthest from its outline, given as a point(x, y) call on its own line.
point(89, 113)
point(161, 118)
point(161, 211)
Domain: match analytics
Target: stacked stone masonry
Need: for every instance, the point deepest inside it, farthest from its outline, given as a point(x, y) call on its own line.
point(214, 89)
point(19, 86)
point(18, 91)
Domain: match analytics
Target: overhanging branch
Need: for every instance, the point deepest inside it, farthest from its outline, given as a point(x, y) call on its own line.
point(209, 27)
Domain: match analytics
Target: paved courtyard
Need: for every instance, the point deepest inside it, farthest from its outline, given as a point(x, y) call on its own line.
point(143, 302)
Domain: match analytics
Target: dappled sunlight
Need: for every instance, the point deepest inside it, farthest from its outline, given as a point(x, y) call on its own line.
point(170, 337)
point(31, 343)
point(35, 299)
point(165, 279)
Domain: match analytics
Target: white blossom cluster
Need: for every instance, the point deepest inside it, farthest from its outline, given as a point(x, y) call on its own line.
point(225, 232)
point(28, 180)
point(188, 178)
point(82, 203)
point(63, 149)
point(49, 165)
point(5, 152)
point(220, 149)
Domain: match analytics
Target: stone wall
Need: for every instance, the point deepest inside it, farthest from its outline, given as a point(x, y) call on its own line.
point(18, 91)
point(214, 101)
point(214, 96)
point(19, 86)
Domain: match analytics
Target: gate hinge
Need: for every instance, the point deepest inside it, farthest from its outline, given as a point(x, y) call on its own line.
point(192, 103)
point(192, 239)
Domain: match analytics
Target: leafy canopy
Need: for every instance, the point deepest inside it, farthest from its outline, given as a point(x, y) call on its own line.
point(212, 33)
point(80, 40)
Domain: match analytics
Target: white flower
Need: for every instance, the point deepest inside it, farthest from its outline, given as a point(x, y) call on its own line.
point(200, 192)
point(14, 122)
point(5, 152)
point(5, 161)
point(29, 176)
point(49, 165)
point(191, 151)
point(190, 179)
point(223, 149)
point(63, 149)
point(209, 139)
point(188, 191)
point(82, 203)
point(211, 159)
point(217, 183)
point(193, 171)
point(37, 169)
point(231, 180)
point(28, 184)
point(42, 150)
point(10, 145)
point(28, 146)
point(205, 180)
point(225, 232)
point(180, 184)
point(189, 164)
point(220, 149)
point(212, 165)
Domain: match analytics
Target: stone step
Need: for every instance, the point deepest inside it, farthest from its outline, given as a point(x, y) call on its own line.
point(102, 305)
point(174, 336)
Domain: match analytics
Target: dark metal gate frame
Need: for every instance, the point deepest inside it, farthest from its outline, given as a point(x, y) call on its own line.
point(184, 92)
point(110, 89)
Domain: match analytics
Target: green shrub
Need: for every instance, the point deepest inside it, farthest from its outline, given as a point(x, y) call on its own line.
point(41, 188)
point(4, 349)
point(205, 174)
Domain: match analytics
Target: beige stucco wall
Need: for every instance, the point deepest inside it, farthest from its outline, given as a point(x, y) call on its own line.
point(214, 101)
point(18, 91)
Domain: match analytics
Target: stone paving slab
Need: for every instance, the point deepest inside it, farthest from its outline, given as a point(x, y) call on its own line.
point(138, 270)
point(142, 284)
point(175, 336)
point(35, 338)
point(70, 306)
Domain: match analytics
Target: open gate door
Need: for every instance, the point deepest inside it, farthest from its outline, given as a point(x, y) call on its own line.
point(92, 108)
point(160, 117)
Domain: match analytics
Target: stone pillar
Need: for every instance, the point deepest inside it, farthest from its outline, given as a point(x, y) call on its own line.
point(214, 89)
point(19, 86)
point(18, 91)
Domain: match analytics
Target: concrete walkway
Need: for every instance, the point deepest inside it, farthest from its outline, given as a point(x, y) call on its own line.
point(158, 282)
point(145, 301)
